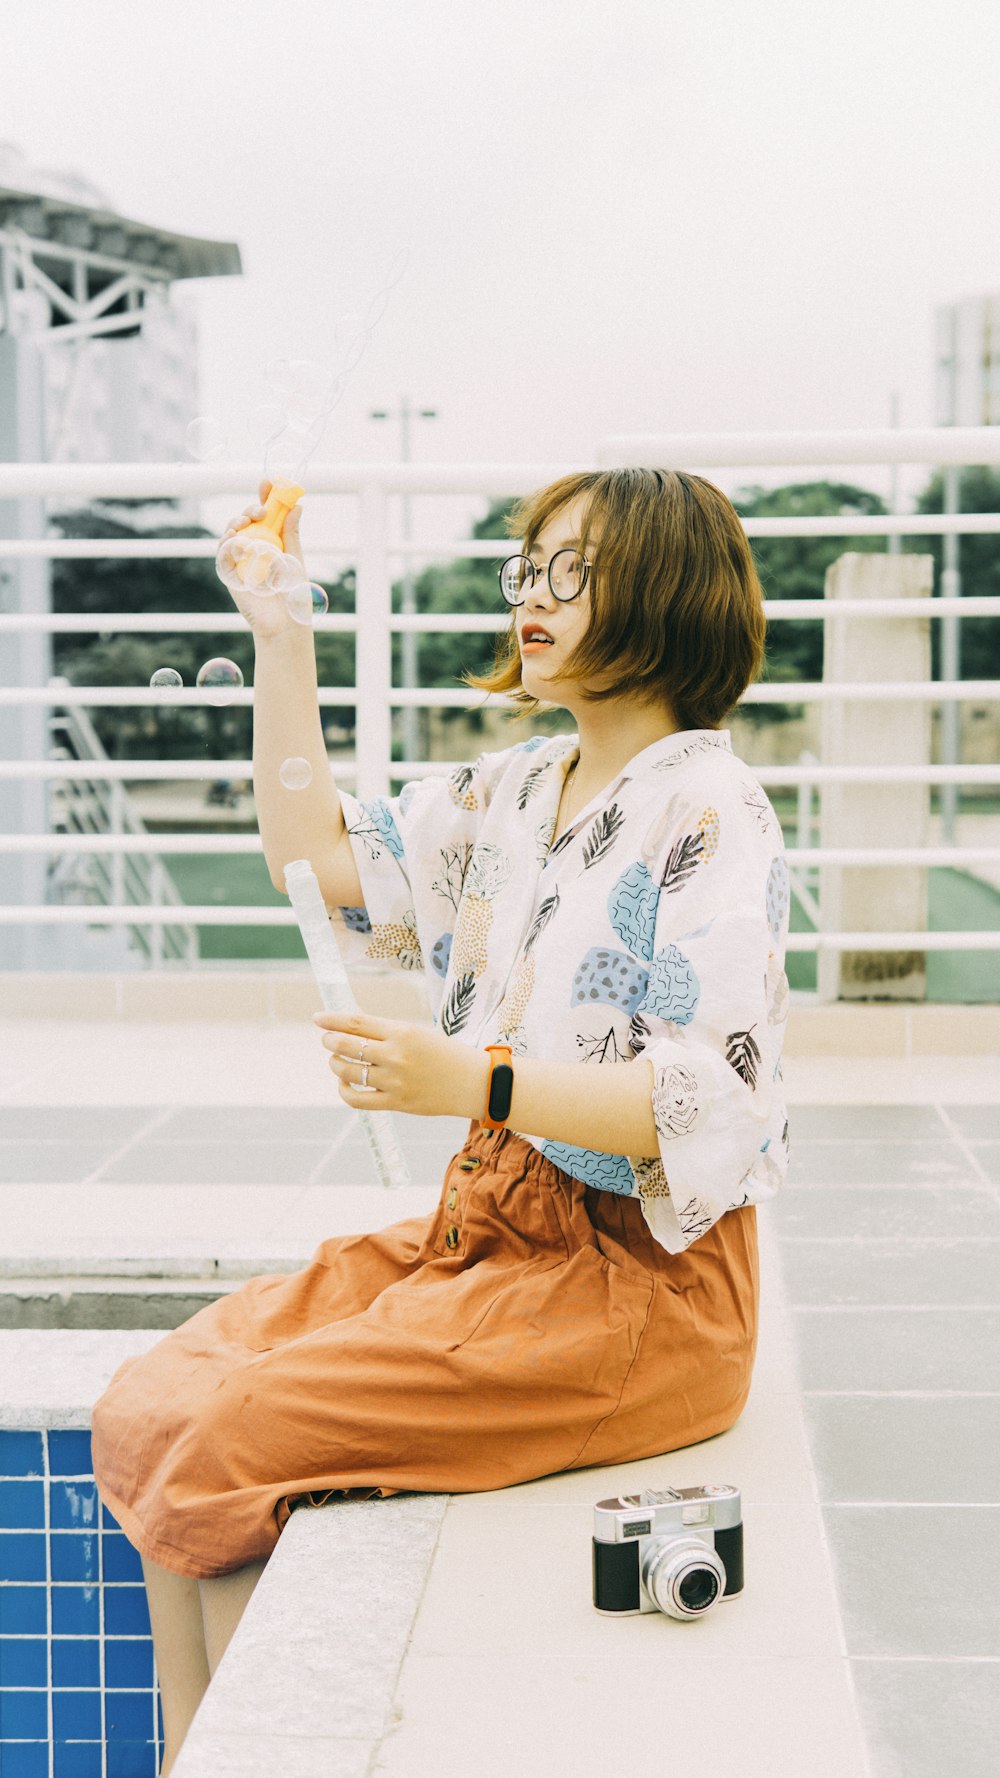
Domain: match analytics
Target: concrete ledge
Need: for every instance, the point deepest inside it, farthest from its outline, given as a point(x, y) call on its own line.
point(872, 1029)
point(51, 1379)
point(437, 1636)
point(307, 1684)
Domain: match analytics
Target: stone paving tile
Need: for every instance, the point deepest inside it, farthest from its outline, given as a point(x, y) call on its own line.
point(917, 1448)
point(874, 1163)
point(247, 1123)
point(987, 1154)
point(824, 1211)
point(215, 1163)
point(908, 1123)
point(917, 1272)
point(354, 1164)
point(978, 1121)
point(910, 1710)
point(51, 1163)
point(74, 1123)
point(895, 1349)
point(917, 1580)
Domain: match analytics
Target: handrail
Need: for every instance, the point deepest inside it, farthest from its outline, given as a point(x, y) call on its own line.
point(137, 873)
point(201, 769)
point(113, 856)
point(239, 914)
point(779, 691)
point(431, 623)
point(220, 843)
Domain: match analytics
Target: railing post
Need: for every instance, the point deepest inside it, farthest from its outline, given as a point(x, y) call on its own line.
point(877, 899)
point(116, 825)
point(156, 891)
point(803, 810)
point(373, 656)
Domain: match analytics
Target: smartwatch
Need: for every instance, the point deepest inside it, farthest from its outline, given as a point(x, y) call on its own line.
point(501, 1086)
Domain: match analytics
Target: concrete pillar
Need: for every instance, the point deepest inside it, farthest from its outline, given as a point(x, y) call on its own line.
point(880, 898)
point(25, 660)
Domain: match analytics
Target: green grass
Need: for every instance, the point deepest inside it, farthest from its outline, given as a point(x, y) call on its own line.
point(956, 903)
point(242, 878)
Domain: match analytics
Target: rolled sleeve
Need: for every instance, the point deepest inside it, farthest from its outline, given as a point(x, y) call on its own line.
point(711, 1023)
point(412, 853)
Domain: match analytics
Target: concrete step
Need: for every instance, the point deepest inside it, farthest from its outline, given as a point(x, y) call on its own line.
point(106, 1302)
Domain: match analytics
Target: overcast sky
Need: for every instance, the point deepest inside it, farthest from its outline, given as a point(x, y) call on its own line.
point(621, 215)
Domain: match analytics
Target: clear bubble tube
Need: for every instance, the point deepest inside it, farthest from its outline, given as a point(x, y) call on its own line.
point(335, 993)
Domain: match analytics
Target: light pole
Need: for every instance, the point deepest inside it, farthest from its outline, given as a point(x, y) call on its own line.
point(411, 715)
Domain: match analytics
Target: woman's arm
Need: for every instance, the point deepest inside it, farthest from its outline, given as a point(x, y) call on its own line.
point(305, 823)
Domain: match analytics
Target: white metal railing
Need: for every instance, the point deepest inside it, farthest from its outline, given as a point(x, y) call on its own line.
point(373, 623)
point(93, 820)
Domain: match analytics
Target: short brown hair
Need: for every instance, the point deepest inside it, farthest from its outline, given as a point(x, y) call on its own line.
point(677, 607)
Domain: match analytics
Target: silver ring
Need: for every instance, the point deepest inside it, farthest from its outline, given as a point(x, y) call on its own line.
point(365, 1067)
point(361, 1053)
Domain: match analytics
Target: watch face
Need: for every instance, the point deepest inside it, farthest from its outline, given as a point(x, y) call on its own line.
point(501, 1088)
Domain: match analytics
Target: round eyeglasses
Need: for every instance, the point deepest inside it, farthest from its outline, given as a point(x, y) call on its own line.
point(567, 571)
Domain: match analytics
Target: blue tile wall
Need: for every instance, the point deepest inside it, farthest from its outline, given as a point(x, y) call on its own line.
point(78, 1690)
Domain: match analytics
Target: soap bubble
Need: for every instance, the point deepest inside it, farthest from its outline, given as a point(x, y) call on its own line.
point(355, 350)
point(295, 774)
point(287, 454)
point(346, 329)
point(166, 679)
point(222, 678)
point(295, 376)
point(307, 602)
point(251, 564)
point(310, 391)
point(287, 575)
point(397, 266)
point(376, 309)
point(205, 438)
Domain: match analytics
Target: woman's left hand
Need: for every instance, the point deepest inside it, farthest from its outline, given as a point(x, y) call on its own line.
point(412, 1068)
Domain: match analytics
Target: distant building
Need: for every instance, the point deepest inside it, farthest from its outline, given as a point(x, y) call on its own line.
point(967, 349)
point(98, 364)
point(98, 294)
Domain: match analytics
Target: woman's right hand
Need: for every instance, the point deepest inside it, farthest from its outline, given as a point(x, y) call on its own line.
point(267, 613)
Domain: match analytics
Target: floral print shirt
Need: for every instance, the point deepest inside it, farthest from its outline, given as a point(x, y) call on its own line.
point(654, 927)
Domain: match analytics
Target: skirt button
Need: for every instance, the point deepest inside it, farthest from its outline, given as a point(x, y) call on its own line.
point(451, 1236)
point(452, 1198)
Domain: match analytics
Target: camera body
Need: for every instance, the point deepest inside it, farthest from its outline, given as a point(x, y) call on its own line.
point(676, 1550)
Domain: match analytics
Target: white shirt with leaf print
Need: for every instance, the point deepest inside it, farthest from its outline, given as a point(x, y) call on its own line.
point(655, 927)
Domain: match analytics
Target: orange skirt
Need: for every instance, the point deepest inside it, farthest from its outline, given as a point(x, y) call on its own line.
point(530, 1325)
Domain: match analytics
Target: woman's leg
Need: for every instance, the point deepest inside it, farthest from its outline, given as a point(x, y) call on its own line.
point(179, 1644)
point(192, 1623)
point(224, 1599)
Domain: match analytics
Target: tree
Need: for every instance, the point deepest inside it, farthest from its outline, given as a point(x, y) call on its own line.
point(795, 568)
point(184, 586)
point(466, 584)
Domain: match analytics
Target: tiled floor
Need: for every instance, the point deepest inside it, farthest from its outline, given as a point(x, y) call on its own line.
point(889, 1240)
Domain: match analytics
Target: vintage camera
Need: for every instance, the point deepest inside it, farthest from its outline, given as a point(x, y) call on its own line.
point(677, 1550)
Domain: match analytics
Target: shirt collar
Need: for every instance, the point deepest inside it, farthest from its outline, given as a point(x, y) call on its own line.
point(669, 750)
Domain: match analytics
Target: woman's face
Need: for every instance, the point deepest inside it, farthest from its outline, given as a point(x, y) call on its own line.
point(543, 669)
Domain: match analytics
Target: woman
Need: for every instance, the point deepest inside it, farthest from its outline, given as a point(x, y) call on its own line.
point(601, 920)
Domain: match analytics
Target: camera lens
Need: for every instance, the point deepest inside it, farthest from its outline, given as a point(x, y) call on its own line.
point(683, 1575)
point(698, 1588)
